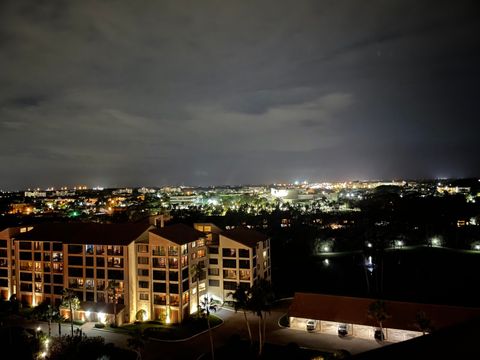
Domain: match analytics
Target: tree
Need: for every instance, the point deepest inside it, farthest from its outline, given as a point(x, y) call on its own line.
point(422, 322)
point(261, 299)
point(241, 301)
point(70, 301)
point(58, 317)
point(377, 310)
point(196, 272)
point(112, 292)
point(207, 305)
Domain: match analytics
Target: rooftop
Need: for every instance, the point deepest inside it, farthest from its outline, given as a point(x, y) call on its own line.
point(179, 233)
point(245, 236)
point(354, 311)
point(85, 233)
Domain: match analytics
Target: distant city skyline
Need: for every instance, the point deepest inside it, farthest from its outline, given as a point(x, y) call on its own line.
point(155, 93)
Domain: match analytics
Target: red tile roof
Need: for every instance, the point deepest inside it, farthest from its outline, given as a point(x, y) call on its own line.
point(86, 233)
point(245, 236)
point(179, 233)
point(354, 311)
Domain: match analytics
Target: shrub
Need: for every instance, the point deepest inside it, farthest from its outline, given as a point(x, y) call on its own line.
point(99, 325)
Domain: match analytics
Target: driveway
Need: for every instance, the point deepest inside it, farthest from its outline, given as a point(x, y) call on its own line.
point(234, 323)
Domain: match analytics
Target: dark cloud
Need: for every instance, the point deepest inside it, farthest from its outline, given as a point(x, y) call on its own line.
point(149, 93)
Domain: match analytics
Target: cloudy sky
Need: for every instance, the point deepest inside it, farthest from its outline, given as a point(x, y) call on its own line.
point(126, 93)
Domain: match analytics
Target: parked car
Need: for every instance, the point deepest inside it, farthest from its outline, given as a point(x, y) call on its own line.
point(342, 330)
point(379, 335)
point(311, 325)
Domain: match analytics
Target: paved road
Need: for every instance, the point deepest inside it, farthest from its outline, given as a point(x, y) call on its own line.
point(234, 323)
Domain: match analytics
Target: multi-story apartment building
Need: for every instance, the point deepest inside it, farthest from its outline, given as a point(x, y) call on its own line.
point(149, 266)
point(235, 257)
point(83, 257)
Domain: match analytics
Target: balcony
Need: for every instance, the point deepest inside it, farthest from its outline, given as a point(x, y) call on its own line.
point(158, 252)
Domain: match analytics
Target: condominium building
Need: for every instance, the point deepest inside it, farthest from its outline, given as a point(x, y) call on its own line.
point(150, 268)
point(238, 256)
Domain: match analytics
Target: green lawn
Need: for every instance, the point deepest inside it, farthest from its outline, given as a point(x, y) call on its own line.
point(155, 329)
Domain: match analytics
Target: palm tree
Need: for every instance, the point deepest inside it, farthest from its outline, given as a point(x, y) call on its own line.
point(196, 272)
point(208, 305)
point(112, 292)
point(241, 301)
point(58, 317)
point(423, 323)
point(377, 310)
point(49, 314)
point(260, 302)
point(71, 301)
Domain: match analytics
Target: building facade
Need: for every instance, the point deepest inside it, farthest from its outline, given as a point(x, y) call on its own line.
point(145, 270)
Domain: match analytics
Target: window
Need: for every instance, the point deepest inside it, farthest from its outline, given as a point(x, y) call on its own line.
point(230, 274)
point(100, 262)
point(173, 250)
point(228, 252)
point(115, 274)
point(143, 260)
point(159, 287)
point(89, 249)
point(214, 261)
point(142, 248)
point(201, 242)
point(173, 275)
point(158, 251)
point(143, 296)
point(244, 274)
point(174, 300)
point(100, 249)
point(89, 272)
point(58, 279)
point(212, 282)
point(89, 284)
point(244, 264)
point(173, 263)
point(143, 284)
point(201, 287)
point(75, 260)
point(213, 271)
point(142, 272)
point(25, 276)
point(25, 245)
point(25, 255)
point(229, 285)
point(174, 288)
point(159, 262)
point(100, 273)
point(46, 246)
point(159, 275)
point(213, 250)
point(57, 257)
point(243, 253)
point(160, 299)
point(75, 272)
point(229, 263)
point(75, 249)
point(89, 261)
point(201, 253)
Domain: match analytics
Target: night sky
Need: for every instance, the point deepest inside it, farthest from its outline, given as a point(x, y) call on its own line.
point(132, 93)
